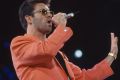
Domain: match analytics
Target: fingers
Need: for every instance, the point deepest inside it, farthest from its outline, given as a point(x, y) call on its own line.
point(114, 43)
point(60, 19)
point(112, 36)
point(114, 39)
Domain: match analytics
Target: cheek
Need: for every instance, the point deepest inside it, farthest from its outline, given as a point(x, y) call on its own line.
point(39, 24)
point(37, 21)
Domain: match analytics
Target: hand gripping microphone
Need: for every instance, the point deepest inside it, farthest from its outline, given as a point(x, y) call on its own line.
point(67, 16)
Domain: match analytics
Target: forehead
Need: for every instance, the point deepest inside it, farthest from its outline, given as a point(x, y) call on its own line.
point(39, 6)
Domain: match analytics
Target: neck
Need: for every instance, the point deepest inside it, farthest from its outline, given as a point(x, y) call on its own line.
point(33, 31)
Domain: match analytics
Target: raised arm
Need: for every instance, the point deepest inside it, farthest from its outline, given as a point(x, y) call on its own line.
point(30, 51)
point(114, 49)
point(101, 70)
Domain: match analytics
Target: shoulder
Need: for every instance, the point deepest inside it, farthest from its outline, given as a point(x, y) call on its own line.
point(23, 39)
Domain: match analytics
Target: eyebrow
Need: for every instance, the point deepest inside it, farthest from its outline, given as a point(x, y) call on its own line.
point(41, 9)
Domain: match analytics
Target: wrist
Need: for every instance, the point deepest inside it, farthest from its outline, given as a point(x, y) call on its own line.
point(109, 59)
point(112, 55)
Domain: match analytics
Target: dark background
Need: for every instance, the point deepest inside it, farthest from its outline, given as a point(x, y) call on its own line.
point(92, 27)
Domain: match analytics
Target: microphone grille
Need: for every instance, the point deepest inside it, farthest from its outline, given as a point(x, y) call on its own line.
point(70, 15)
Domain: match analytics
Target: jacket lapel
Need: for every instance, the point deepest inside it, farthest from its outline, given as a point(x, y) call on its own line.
point(71, 74)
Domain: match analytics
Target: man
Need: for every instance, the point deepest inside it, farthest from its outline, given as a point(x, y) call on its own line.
point(34, 55)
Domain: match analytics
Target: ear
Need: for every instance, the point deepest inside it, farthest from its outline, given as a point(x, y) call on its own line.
point(28, 19)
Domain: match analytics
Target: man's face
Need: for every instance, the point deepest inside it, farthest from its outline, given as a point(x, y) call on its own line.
point(42, 18)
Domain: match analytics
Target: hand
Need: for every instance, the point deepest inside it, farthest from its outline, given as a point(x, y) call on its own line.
point(114, 49)
point(59, 19)
point(114, 44)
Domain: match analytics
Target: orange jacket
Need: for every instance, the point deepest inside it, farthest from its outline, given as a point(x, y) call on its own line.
point(34, 59)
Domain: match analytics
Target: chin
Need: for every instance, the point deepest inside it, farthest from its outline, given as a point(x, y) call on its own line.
point(49, 31)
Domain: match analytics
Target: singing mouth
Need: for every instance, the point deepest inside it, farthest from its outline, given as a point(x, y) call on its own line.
point(49, 21)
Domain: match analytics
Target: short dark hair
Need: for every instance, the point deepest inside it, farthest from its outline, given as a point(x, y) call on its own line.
point(26, 8)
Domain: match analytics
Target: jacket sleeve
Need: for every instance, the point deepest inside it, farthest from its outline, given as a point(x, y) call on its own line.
point(100, 71)
point(29, 51)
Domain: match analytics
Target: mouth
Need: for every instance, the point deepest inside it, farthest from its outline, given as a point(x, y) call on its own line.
point(49, 22)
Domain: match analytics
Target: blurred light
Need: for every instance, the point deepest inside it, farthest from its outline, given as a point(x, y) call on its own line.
point(9, 73)
point(1, 77)
point(78, 54)
point(6, 44)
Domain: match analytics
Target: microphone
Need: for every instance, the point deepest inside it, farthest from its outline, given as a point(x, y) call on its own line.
point(69, 15)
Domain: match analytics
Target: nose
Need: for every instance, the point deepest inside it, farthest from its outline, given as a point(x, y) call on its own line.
point(50, 14)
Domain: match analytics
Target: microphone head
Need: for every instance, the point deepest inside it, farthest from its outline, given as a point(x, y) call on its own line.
point(70, 15)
